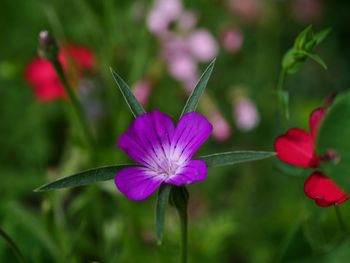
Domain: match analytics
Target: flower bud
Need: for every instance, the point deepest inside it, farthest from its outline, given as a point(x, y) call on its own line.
point(48, 47)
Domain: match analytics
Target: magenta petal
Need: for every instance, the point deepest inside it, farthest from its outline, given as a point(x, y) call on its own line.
point(147, 138)
point(137, 183)
point(316, 117)
point(191, 132)
point(194, 171)
point(296, 147)
point(323, 190)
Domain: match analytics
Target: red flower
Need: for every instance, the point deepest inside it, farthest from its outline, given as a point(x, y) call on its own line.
point(41, 75)
point(323, 190)
point(297, 147)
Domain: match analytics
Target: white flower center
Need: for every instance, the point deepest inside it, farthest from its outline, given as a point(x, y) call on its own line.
point(167, 162)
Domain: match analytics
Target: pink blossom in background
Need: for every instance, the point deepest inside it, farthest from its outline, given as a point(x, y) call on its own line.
point(162, 14)
point(247, 10)
point(232, 39)
point(142, 91)
point(169, 8)
point(187, 20)
point(221, 128)
point(157, 23)
point(182, 46)
point(183, 68)
point(246, 114)
point(203, 45)
point(190, 83)
point(307, 11)
point(174, 46)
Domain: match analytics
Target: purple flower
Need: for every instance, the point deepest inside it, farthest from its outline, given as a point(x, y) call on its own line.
point(163, 151)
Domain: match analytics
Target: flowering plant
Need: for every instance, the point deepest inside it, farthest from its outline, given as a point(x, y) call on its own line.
point(165, 153)
point(298, 147)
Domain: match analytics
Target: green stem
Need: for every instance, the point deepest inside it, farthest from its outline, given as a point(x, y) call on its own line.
point(183, 219)
point(283, 99)
point(77, 107)
point(341, 222)
point(12, 245)
point(281, 80)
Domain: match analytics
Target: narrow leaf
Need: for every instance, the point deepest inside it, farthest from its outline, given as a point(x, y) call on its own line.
point(12, 245)
point(303, 38)
point(320, 36)
point(229, 158)
point(317, 59)
point(162, 201)
point(198, 90)
point(135, 106)
point(83, 178)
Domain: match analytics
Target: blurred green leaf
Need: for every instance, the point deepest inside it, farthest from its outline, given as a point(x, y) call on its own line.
point(12, 245)
point(135, 106)
point(198, 90)
point(303, 38)
point(320, 36)
point(84, 178)
point(162, 201)
point(229, 158)
point(334, 136)
point(304, 44)
point(317, 59)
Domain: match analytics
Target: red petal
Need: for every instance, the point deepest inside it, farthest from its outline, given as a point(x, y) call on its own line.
point(323, 190)
point(329, 100)
point(82, 56)
point(316, 117)
point(41, 75)
point(38, 71)
point(296, 147)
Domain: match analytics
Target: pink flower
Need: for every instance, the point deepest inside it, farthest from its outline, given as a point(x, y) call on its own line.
point(246, 115)
point(187, 20)
point(142, 90)
point(247, 10)
point(221, 128)
point(41, 75)
point(307, 11)
point(162, 14)
point(202, 45)
point(232, 39)
point(183, 68)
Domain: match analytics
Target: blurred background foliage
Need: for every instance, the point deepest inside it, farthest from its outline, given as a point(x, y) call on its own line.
point(253, 212)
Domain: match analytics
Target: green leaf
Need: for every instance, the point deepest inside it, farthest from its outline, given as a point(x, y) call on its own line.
point(320, 36)
point(229, 158)
point(135, 106)
point(12, 245)
point(162, 201)
point(304, 37)
point(317, 59)
point(198, 90)
point(84, 178)
point(333, 135)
